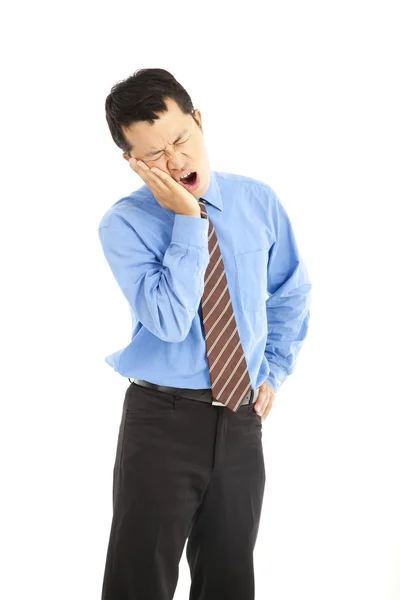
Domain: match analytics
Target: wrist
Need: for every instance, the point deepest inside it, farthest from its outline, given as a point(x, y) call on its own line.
point(192, 213)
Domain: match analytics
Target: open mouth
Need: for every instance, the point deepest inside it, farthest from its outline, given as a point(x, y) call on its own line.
point(191, 182)
point(190, 179)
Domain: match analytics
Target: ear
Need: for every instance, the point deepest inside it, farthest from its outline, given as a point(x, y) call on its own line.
point(126, 156)
point(197, 116)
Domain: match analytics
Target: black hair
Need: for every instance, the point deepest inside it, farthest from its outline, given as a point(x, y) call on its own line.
point(139, 98)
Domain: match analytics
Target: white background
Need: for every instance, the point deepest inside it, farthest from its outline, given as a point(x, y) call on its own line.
point(302, 95)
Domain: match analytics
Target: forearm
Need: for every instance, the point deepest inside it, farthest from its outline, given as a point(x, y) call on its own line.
point(164, 296)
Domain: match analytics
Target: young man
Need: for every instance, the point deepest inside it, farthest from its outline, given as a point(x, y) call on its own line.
point(220, 303)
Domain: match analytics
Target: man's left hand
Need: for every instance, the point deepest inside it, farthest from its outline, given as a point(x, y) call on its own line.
point(265, 399)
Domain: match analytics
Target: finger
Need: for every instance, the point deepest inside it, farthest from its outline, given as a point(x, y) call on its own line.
point(262, 405)
point(266, 412)
point(167, 179)
point(145, 171)
point(267, 409)
point(258, 406)
point(142, 165)
point(138, 166)
point(161, 174)
point(147, 174)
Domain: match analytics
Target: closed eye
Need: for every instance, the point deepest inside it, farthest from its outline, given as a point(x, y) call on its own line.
point(159, 154)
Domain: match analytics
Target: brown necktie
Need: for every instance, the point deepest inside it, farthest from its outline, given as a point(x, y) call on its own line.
point(230, 380)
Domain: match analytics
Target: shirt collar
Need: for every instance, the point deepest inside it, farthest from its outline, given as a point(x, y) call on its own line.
point(213, 194)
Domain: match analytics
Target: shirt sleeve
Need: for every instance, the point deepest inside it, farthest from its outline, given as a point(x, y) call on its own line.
point(163, 295)
point(288, 304)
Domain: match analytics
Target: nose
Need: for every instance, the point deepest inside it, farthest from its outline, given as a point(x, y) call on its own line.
point(175, 160)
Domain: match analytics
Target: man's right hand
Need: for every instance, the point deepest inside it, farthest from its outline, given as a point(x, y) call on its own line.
point(168, 192)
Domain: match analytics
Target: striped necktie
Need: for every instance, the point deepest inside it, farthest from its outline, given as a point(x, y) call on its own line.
point(230, 380)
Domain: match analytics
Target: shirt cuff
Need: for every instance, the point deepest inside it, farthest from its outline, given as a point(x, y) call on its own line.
point(276, 376)
point(192, 231)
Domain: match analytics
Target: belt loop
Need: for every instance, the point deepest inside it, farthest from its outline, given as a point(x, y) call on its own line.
point(177, 396)
point(251, 401)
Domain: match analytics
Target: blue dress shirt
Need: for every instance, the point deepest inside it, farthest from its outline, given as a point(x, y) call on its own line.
point(159, 258)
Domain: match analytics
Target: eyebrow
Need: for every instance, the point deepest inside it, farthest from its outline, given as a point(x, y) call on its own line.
point(184, 132)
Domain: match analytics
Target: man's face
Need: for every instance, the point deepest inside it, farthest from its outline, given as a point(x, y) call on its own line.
point(158, 145)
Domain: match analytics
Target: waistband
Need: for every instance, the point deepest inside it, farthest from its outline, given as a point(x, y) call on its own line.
point(203, 395)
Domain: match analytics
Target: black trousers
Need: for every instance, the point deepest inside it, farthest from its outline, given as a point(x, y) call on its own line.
point(184, 471)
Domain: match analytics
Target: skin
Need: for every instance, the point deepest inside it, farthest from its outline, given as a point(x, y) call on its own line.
point(162, 171)
point(265, 399)
point(175, 158)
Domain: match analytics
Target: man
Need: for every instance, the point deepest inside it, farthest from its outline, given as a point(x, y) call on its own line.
point(219, 299)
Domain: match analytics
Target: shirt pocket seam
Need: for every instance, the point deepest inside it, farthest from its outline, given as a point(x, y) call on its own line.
point(251, 272)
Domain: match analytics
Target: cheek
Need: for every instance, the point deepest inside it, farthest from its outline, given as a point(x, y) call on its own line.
point(200, 147)
point(160, 163)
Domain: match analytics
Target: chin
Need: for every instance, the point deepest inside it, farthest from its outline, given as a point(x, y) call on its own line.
point(204, 185)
